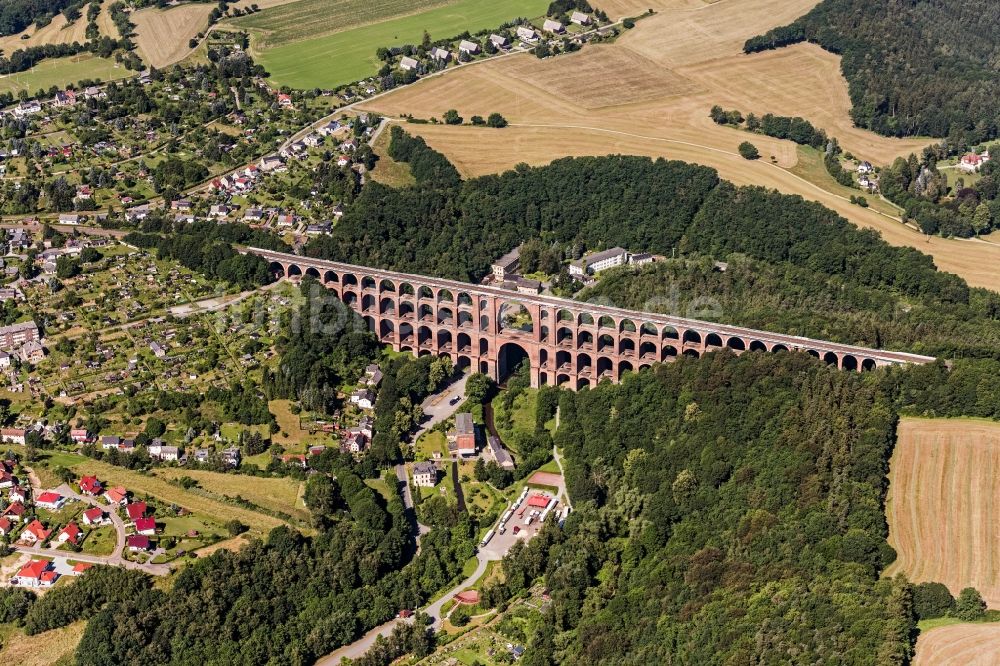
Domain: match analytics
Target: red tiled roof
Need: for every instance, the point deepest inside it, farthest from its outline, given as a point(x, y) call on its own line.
point(33, 569)
point(539, 501)
point(81, 567)
point(138, 541)
point(90, 484)
point(5, 525)
point(136, 510)
point(145, 525)
point(48, 498)
point(15, 509)
point(93, 515)
point(116, 494)
point(36, 528)
point(72, 531)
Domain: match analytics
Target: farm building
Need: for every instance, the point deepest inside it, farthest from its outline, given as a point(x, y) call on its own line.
point(579, 18)
point(499, 41)
point(527, 34)
point(408, 63)
point(555, 27)
point(465, 46)
point(438, 53)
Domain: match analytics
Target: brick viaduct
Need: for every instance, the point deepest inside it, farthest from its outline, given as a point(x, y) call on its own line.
point(567, 342)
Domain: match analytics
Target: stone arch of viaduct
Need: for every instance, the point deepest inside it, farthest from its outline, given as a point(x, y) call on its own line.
point(566, 342)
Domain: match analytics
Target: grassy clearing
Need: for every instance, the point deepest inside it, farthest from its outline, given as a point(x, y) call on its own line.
point(101, 541)
point(61, 72)
point(279, 494)
point(810, 166)
point(387, 170)
point(45, 649)
point(305, 19)
point(430, 442)
point(342, 57)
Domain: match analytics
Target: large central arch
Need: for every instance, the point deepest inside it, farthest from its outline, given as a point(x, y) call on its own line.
point(509, 357)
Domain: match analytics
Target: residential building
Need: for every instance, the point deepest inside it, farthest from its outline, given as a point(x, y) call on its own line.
point(70, 534)
point(232, 456)
point(526, 34)
point(79, 435)
point(425, 474)
point(579, 18)
point(438, 53)
point(145, 526)
point(89, 485)
point(507, 264)
point(865, 167)
point(555, 27)
point(137, 543)
point(408, 63)
point(12, 435)
point(135, 510)
point(94, 516)
point(117, 495)
point(499, 453)
point(599, 261)
point(373, 375)
point(462, 439)
point(363, 398)
point(35, 574)
point(15, 335)
point(499, 41)
point(466, 46)
point(34, 533)
point(971, 162)
point(109, 442)
point(50, 501)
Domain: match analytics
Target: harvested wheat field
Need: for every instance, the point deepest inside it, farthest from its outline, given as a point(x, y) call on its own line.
point(56, 32)
point(959, 645)
point(649, 93)
point(162, 35)
point(47, 648)
point(944, 489)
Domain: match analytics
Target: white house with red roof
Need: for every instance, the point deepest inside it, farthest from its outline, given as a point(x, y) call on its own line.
point(12, 435)
point(80, 435)
point(15, 512)
point(89, 485)
point(972, 162)
point(5, 526)
point(70, 534)
point(80, 567)
point(145, 526)
point(35, 532)
point(116, 495)
point(17, 494)
point(36, 573)
point(137, 542)
point(6, 479)
point(50, 500)
point(135, 510)
point(94, 516)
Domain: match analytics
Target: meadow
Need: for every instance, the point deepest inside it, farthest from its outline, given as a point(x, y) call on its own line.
point(62, 72)
point(349, 55)
point(943, 488)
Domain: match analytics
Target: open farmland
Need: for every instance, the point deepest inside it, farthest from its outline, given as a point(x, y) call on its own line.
point(668, 72)
point(162, 35)
point(63, 71)
point(349, 55)
point(944, 485)
point(58, 31)
point(959, 645)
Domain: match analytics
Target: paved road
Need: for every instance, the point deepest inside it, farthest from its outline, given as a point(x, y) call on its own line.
point(439, 406)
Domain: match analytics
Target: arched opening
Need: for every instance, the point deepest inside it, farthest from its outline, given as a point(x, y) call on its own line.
point(367, 302)
point(425, 312)
point(444, 340)
point(445, 296)
point(626, 326)
point(334, 292)
point(647, 350)
point(585, 320)
point(543, 358)
point(757, 345)
point(484, 323)
point(464, 319)
point(514, 317)
point(294, 271)
point(564, 336)
point(425, 292)
point(464, 300)
point(626, 346)
point(813, 353)
point(670, 333)
point(564, 360)
point(484, 367)
point(691, 353)
point(405, 333)
point(736, 343)
point(370, 323)
point(543, 333)
point(313, 273)
point(510, 357)
point(623, 367)
point(463, 362)
point(276, 269)
point(648, 329)
point(779, 348)
point(385, 330)
point(367, 282)
point(565, 315)
point(349, 279)
point(386, 286)
point(585, 339)
point(605, 368)
point(445, 316)
point(406, 288)
point(849, 362)
point(562, 380)
point(329, 276)
point(405, 309)
point(692, 337)
point(868, 365)
point(606, 322)
point(484, 346)
point(830, 358)
point(582, 383)
point(406, 348)
point(464, 343)
point(713, 340)
point(605, 343)
point(543, 378)
point(424, 352)
point(669, 353)
point(350, 298)
point(583, 363)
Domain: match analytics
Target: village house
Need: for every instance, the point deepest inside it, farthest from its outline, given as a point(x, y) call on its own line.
point(462, 438)
point(94, 516)
point(32, 352)
point(363, 398)
point(12, 435)
point(84, 193)
point(466, 46)
point(971, 162)
point(499, 41)
point(408, 63)
point(34, 533)
point(440, 54)
point(232, 456)
point(117, 495)
point(330, 128)
point(89, 485)
point(145, 526)
point(285, 101)
point(373, 375)
point(135, 511)
point(253, 215)
point(579, 18)
point(70, 534)
point(163, 452)
point(50, 500)
point(17, 494)
point(109, 442)
point(5, 527)
point(297, 459)
point(35, 574)
point(526, 34)
point(425, 474)
point(69, 218)
point(865, 167)
point(5, 360)
point(137, 543)
point(80, 567)
point(16, 511)
point(555, 27)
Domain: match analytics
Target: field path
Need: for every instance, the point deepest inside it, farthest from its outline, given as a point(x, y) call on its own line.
point(943, 488)
point(959, 645)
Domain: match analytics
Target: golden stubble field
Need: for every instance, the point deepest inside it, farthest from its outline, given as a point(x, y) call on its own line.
point(649, 93)
point(944, 489)
point(959, 645)
point(162, 35)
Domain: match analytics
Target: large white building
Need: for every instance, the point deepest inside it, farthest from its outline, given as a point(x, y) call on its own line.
point(599, 261)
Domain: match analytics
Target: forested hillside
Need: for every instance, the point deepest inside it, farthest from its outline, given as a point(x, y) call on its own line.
point(914, 67)
point(16, 15)
point(728, 511)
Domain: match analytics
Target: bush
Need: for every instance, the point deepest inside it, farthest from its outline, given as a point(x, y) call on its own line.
point(451, 117)
point(932, 600)
point(236, 528)
point(496, 120)
point(970, 605)
point(748, 151)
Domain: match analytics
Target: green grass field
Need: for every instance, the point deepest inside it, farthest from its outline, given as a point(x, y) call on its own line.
point(61, 72)
point(347, 56)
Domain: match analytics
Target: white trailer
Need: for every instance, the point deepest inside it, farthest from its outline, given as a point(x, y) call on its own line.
point(486, 539)
point(548, 508)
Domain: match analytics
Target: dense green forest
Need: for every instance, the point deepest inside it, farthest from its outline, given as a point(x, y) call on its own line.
point(727, 511)
point(16, 15)
point(913, 67)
